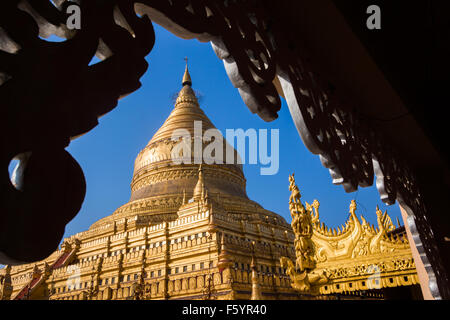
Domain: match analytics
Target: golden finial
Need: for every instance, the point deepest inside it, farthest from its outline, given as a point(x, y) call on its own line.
point(186, 77)
point(352, 207)
point(253, 262)
point(200, 188)
point(256, 288)
point(224, 258)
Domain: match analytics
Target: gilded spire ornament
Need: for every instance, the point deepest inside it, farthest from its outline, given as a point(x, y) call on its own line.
point(200, 188)
point(350, 258)
point(224, 260)
point(302, 275)
point(256, 288)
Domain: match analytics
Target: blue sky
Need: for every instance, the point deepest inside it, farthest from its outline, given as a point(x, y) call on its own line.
point(107, 153)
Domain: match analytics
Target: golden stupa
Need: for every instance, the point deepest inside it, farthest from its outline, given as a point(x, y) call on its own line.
point(189, 231)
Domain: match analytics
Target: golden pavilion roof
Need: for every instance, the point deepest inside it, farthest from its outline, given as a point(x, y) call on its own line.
point(356, 257)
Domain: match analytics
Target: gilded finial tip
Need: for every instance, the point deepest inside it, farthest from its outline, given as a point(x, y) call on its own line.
point(352, 205)
point(186, 77)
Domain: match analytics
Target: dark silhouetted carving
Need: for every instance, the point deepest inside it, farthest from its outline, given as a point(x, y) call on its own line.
point(50, 94)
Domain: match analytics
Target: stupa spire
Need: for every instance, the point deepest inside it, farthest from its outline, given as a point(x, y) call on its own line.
point(186, 77)
point(158, 153)
point(186, 96)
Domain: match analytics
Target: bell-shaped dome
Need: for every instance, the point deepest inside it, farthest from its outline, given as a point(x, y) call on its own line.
point(161, 185)
point(156, 173)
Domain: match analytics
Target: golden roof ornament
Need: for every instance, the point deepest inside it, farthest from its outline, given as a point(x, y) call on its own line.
point(302, 275)
point(256, 288)
point(352, 208)
point(200, 188)
point(355, 257)
point(224, 260)
point(212, 225)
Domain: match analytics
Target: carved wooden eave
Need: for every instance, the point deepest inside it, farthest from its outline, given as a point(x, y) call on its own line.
point(263, 52)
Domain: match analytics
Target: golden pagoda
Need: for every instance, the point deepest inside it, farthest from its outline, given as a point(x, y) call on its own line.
point(189, 231)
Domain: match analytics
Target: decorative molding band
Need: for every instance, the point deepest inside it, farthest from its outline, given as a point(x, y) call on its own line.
point(174, 173)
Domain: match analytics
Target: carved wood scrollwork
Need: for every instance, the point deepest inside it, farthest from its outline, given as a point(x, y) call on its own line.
point(50, 94)
point(353, 152)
